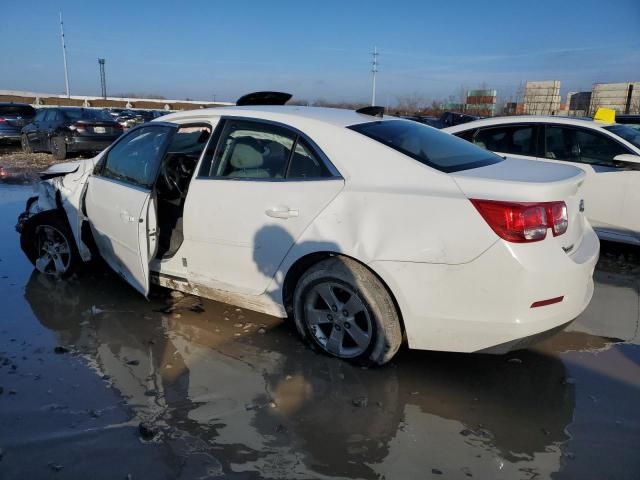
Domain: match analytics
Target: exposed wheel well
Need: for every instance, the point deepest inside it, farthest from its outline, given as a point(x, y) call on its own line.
point(304, 263)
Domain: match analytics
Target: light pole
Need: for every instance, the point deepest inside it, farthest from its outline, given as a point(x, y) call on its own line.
point(103, 78)
point(374, 70)
point(64, 56)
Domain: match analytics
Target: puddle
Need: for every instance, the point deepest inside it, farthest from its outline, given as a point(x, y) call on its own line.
point(224, 391)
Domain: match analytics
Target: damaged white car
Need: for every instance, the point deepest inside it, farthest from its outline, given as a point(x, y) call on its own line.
point(367, 230)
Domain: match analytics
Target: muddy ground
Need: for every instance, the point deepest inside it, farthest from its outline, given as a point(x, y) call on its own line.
point(96, 382)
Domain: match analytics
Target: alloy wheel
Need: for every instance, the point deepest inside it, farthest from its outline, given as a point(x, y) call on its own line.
point(53, 251)
point(338, 319)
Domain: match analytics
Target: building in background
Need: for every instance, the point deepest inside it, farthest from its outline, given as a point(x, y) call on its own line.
point(578, 103)
point(542, 98)
point(621, 97)
point(481, 103)
point(452, 107)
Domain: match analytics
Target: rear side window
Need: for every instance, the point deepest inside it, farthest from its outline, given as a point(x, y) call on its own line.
point(17, 111)
point(515, 139)
point(428, 146)
point(305, 163)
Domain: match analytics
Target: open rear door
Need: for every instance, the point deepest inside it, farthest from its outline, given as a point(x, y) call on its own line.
point(120, 202)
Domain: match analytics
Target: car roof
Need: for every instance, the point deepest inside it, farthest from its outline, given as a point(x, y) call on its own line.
point(577, 121)
point(339, 117)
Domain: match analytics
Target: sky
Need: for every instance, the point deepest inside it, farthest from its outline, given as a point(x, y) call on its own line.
point(317, 50)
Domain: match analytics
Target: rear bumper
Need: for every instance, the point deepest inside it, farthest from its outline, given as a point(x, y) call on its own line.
point(89, 144)
point(486, 305)
point(10, 133)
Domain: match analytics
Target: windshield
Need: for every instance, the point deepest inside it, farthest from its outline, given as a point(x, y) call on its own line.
point(427, 145)
point(631, 135)
point(87, 114)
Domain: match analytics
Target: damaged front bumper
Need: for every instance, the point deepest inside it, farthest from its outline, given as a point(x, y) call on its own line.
point(27, 214)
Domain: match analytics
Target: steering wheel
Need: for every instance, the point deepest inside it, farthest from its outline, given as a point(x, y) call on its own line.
point(173, 173)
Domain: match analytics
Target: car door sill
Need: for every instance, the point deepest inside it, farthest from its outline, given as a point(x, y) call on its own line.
point(257, 303)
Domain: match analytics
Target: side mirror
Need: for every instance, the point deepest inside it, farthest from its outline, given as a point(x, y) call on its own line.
point(627, 158)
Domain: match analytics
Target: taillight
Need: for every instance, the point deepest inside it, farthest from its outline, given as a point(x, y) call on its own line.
point(3, 120)
point(523, 222)
point(79, 126)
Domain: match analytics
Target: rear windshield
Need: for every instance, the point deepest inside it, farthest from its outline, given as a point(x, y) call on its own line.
point(427, 145)
point(17, 110)
point(631, 135)
point(87, 114)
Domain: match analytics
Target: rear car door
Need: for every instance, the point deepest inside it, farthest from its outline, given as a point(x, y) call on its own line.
point(605, 184)
point(256, 191)
point(120, 203)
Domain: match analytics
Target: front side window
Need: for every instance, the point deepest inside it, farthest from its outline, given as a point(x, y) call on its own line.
point(514, 139)
point(428, 146)
point(135, 158)
point(40, 116)
point(580, 145)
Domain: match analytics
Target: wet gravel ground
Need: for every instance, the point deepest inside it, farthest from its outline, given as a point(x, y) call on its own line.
point(97, 382)
point(17, 167)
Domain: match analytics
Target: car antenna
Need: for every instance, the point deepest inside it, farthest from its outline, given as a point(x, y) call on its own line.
point(372, 110)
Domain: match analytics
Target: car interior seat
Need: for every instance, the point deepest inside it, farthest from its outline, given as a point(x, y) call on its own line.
point(246, 161)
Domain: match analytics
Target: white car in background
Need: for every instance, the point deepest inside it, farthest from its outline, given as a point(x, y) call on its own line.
point(608, 153)
point(364, 229)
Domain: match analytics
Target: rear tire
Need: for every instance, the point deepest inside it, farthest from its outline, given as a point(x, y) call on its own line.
point(47, 241)
point(26, 144)
point(58, 148)
point(342, 309)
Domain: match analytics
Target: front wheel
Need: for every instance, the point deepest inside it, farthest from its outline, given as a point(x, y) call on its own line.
point(343, 309)
point(48, 243)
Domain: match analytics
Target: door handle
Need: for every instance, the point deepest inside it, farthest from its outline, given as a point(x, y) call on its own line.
point(127, 217)
point(281, 212)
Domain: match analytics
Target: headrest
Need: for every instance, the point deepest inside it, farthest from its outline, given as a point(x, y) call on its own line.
point(245, 156)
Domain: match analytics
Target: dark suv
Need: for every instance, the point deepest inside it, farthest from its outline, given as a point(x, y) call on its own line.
point(14, 116)
point(70, 129)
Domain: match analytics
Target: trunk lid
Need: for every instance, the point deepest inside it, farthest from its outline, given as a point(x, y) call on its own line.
point(515, 180)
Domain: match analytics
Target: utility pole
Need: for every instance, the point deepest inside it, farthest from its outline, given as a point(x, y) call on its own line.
point(64, 56)
point(103, 78)
point(374, 70)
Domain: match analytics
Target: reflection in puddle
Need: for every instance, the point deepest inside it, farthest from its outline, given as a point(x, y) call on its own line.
point(263, 402)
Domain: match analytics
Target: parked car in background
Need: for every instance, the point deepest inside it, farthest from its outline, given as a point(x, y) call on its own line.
point(14, 116)
point(65, 130)
point(608, 153)
point(362, 228)
point(632, 121)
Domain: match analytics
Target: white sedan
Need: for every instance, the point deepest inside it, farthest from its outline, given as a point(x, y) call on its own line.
point(608, 153)
point(366, 230)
